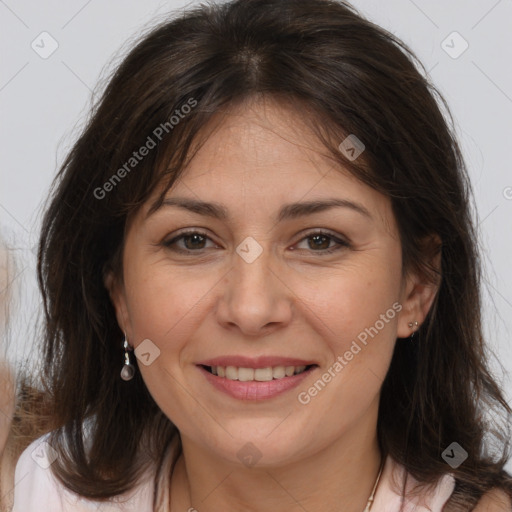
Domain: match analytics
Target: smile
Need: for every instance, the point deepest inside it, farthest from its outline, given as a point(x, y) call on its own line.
point(245, 383)
point(256, 374)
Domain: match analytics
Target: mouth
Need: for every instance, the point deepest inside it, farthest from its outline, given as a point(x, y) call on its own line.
point(255, 384)
point(265, 374)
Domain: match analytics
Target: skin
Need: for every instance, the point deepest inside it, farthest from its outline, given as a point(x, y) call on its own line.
point(6, 377)
point(294, 300)
point(7, 462)
point(7, 390)
point(495, 500)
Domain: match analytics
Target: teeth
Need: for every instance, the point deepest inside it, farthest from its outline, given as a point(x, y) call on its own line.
point(231, 373)
point(245, 374)
point(258, 374)
point(278, 372)
point(263, 374)
point(289, 370)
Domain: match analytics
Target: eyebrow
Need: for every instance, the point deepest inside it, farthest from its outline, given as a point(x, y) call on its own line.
point(287, 212)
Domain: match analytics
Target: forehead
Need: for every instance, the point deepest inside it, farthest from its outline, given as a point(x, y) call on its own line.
point(261, 154)
point(260, 142)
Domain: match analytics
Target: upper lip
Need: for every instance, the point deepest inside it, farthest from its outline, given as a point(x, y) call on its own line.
point(255, 362)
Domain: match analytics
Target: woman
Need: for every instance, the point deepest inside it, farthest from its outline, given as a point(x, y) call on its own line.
point(261, 282)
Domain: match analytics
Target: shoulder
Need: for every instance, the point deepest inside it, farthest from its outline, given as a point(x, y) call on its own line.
point(399, 490)
point(433, 498)
point(34, 485)
point(36, 489)
point(496, 500)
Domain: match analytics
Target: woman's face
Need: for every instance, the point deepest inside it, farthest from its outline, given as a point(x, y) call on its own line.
point(268, 281)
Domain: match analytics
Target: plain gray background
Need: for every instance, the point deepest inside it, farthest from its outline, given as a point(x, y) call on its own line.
point(464, 44)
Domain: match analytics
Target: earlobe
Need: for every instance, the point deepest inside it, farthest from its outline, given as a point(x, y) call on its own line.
point(420, 290)
point(415, 308)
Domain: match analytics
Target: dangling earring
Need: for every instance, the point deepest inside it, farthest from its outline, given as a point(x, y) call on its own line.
point(411, 325)
point(128, 370)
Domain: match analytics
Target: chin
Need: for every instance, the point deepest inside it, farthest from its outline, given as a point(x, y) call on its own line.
point(262, 447)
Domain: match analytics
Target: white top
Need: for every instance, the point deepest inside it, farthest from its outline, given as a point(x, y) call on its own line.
point(37, 490)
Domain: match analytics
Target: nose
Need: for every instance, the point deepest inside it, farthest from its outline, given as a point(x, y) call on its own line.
point(255, 299)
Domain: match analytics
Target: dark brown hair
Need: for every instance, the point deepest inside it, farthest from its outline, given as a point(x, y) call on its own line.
point(348, 76)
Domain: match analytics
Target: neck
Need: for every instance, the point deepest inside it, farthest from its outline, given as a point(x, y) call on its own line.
point(341, 477)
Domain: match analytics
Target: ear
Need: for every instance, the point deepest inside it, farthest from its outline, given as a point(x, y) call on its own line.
point(420, 288)
point(116, 291)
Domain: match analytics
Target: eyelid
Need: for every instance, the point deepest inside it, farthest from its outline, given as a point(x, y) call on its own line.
point(327, 232)
point(340, 240)
point(187, 231)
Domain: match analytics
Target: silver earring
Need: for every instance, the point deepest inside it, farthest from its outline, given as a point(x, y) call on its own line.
point(128, 370)
point(411, 325)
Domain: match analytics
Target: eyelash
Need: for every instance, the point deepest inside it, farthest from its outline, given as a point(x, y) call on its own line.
point(340, 243)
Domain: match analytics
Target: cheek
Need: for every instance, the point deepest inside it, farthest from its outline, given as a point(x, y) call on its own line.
point(161, 300)
point(164, 308)
point(357, 316)
point(357, 299)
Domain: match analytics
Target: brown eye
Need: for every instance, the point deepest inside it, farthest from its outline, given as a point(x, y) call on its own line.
point(321, 243)
point(195, 241)
point(191, 241)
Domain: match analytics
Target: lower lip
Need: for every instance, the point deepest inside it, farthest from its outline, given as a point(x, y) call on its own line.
point(255, 390)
